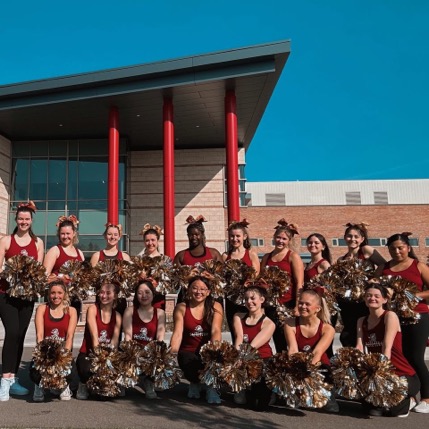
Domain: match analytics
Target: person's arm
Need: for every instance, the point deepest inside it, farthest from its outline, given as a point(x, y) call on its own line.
point(71, 328)
point(391, 328)
point(94, 259)
point(323, 266)
point(289, 330)
point(238, 329)
point(265, 334)
point(264, 261)
point(323, 344)
point(255, 260)
point(297, 268)
point(424, 273)
point(91, 321)
point(4, 247)
point(127, 323)
point(216, 255)
point(126, 257)
point(117, 330)
point(50, 259)
point(160, 329)
point(40, 322)
point(80, 253)
point(359, 341)
point(179, 319)
point(224, 256)
point(216, 329)
point(40, 250)
point(372, 255)
point(178, 259)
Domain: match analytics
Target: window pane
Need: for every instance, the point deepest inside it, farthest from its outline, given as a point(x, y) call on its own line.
point(72, 179)
point(51, 241)
point(57, 179)
point(20, 172)
point(57, 205)
point(91, 243)
point(38, 179)
point(39, 224)
point(93, 147)
point(20, 149)
point(92, 179)
point(374, 242)
point(91, 222)
point(52, 221)
point(58, 148)
point(39, 149)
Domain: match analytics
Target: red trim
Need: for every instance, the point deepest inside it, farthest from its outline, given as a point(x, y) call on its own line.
point(113, 167)
point(169, 202)
point(231, 137)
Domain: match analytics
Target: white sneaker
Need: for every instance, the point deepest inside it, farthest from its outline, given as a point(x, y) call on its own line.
point(149, 389)
point(194, 391)
point(412, 405)
point(38, 394)
point(240, 398)
point(5, 388)
point(82, 392)
point(66, 394)
point(422, 407)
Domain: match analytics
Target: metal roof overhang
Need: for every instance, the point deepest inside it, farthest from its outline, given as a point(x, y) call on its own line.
point(77, 106)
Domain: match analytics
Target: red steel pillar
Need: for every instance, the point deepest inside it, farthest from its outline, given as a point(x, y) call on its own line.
point(231, 138)
point(113, 167)
point(169, 202)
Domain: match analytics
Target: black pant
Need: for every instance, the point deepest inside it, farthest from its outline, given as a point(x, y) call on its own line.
point(279, 335)
point(191, 364)
point(15, 314)
point(413, 389)
point(414, 340)
point(351, 311)
point(83, 367)
point(230, 309)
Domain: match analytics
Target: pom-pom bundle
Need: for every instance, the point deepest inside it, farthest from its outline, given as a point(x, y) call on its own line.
point(81, 277)
point(26, 277)
point(129, 363)
point(237, 274)
point(117, 271)
point(279, 283)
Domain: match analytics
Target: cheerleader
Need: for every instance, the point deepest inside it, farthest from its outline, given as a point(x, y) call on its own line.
point(16, 313)
point(102, 326)
point(380, 332)
point(239, 248)
point(290, 261)
point(320, 256)
point(356, 238)
point(197, 321)
point(405, 264)
point(311, 332)
point(255, 328)
point(144, 323)
point(56, 320)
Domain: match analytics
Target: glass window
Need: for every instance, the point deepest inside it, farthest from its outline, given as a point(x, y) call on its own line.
point(20, 179)
point(413, 241)
point(93, 147)
point(58, 148)
point(39, 148)
point(91, 222)
point(38, 179)
point(92, 178)
point(21, 149)
point(374, 242)
point(427, 241)
point(91, 243)
point(57, 170)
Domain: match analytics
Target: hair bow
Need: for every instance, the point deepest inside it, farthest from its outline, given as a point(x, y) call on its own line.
point(71, 218)
point(29, 205)
point(406, 233)
point(293, 228)
point(112, 225)
point(198, 219)
point(148, 226)
point(362, 225)
point(240, 224)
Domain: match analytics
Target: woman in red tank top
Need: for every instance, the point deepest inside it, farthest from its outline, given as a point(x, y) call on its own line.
point(312, 332)
point(320, 256)
point(255, 328)
point(56, 319)
point(405, 264)
point(112, 234)
point(287, 260)
point(15, 313)
point(197, 321)
point(144, 323)
point(239, 247)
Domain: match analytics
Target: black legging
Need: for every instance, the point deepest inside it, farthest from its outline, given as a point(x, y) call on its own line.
point(15, 314)
point(191, 364)
point(230, 309)
point(83, 366)
point(414, 340)
point(351, 311)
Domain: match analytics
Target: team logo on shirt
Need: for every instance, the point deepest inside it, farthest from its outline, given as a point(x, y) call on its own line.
point(103, 338)
point(306, 348)
point(198, 332)
point(55, 334)
point(372, 341)
point(142, 336)
point(24, 252)
point(245, 338)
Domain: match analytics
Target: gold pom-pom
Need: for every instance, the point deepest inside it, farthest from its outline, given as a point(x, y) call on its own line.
point(212, 271)
point(236, 274)
point(81, 277)
point(129, 363)
point(279, 283)
point(117, 271)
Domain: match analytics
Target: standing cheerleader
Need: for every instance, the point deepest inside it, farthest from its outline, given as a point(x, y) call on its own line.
point(380, 332)
point(255, 328)
point(16, 313)
point(320, 256)
point(239, 248)
point(290, 261)
point(197, 321)
point(56, 320)
point(144, 323)
point(356, 238)
point(102, 326)
point(405, 264)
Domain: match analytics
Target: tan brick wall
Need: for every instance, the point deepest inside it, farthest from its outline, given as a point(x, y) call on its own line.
point(329, 220)
point(5, 166)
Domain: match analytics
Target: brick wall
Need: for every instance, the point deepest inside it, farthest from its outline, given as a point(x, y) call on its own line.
point(5, 166)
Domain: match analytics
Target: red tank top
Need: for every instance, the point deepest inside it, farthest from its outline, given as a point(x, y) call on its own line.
point(412, 274)
point(246, 258)
point(188, 259)
point(103, 257)
point(104, 330)
point(63, 258)
point(360, 255)
point(312, 272)
point(144, 332)
point(15, 249)
point(196, 333)
point(284, 265)
point(55, 328)
point(308, 344)
point(250, 332)
point(373, 341)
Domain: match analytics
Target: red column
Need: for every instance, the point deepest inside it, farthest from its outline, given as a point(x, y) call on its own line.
point(113, 167)
point(169, 204)
point(231, 156)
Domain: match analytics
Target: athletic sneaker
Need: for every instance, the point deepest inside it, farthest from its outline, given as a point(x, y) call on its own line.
point(194, 391)
point(412, 405)
point(38, 394)
point(82, 392)
point(5, 388)
point(240, 398)
point(66, 394)
point(212, 396)
point(149, 389)
point(17, 389)
point(422, 407)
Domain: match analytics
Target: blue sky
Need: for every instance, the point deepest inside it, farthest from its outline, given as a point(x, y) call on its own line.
point(352, 102)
